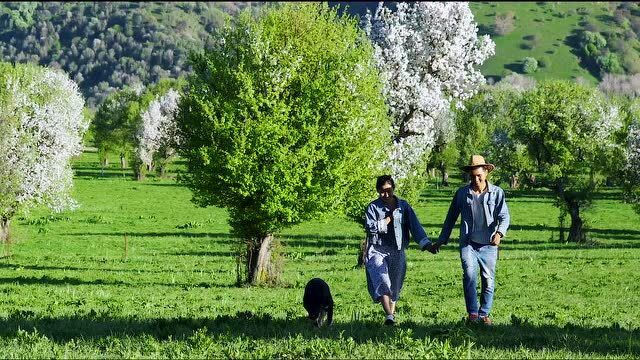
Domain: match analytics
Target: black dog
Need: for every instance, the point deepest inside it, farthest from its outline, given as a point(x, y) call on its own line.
point(318, 302)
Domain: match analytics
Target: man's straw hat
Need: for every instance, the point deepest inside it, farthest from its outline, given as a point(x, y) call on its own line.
point(477, 161)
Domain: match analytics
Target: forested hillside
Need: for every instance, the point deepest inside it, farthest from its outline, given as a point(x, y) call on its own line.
point(105, 45)
point(554, 40)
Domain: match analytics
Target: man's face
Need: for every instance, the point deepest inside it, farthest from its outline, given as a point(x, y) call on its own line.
point(478, 177)
point(386, 192)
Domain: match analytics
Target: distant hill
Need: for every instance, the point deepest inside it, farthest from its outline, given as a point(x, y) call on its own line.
point(550, 32)
point(106, 45)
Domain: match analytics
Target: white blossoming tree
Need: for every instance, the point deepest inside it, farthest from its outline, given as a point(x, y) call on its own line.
point(138, 123)
point(631, 170)
point(41, 128)
point(428, 54)
point(156, 135)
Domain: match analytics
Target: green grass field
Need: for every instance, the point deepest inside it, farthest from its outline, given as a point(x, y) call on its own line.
point(69, 290)
point(554, 23)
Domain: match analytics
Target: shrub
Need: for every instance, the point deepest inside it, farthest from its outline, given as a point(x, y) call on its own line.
point(610, 64)
point(529, 65)
point(506, 72)
point(504, 23)
point(589, 25)
point(631, 62)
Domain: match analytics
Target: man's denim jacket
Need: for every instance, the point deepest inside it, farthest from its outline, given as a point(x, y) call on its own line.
point(495, 211)
point(404, 221)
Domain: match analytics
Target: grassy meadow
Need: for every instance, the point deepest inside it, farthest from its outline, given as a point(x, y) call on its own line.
point(541, 30)
point(70, 290)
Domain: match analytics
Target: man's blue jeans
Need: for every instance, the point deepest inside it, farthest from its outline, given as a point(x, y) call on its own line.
point(485, 256)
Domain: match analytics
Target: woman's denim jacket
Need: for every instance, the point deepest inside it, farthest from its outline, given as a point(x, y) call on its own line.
point(495, 211)
point(404, 221)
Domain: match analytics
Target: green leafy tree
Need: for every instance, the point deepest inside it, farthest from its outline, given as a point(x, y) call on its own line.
point(570, 131)
point(610, 63)
point(118, 125)
point(485, 126)
point(282, 121)
point(114, 125)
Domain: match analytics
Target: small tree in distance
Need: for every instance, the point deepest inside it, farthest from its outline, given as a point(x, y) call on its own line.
point(283, 121)
point(631, 167)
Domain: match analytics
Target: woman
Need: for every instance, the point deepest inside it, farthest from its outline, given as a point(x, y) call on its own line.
point(389, 220)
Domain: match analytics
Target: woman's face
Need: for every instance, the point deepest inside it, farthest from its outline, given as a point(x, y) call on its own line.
point(386, 192)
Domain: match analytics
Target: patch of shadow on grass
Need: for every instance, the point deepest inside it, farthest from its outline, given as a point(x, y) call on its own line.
point(612, 340)
point(105, 175)
point(316, 240)
point(227, 236)
point(165, 184)
point(202, 253)
point(66, 280)
point(13, 266)
point(48, 280)
point(545, 246)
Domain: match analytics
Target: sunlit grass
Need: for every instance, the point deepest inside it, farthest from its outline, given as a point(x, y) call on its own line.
point(71, 290)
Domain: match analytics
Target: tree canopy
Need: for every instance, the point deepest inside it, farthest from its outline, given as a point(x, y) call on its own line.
point(284, 120)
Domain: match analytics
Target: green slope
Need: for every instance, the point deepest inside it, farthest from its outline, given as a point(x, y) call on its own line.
point(553, 25)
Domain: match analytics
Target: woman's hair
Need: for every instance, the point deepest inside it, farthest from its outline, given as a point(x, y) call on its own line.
point(383, 179)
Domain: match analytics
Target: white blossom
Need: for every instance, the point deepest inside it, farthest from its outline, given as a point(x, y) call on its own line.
point(158, 128)
point(632, 154)
point(42, 126)
point(428, 54)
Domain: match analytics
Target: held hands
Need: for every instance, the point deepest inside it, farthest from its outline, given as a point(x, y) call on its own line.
point(433, 248)
point(495, 241)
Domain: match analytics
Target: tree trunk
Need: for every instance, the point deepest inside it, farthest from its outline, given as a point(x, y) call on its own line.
point(260, 269)
point(139, 172)
point(123, 162)
point(445, 174)
point(576, 232)
point(561, 219)
point(4, 230)
point(514, 181)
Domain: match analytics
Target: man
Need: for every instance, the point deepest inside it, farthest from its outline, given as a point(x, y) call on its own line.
point(389, 220)
point(485, 219)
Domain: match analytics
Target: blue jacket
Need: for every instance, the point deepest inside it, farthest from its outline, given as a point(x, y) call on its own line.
point(405, 221)
point(495, 211)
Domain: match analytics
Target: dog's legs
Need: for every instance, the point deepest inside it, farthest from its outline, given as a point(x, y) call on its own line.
point(320, 319)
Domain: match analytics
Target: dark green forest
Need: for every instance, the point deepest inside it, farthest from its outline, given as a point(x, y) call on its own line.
point(107, 45)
